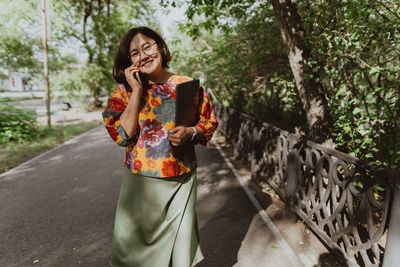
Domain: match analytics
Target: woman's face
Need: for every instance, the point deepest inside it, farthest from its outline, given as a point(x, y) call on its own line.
point(144, 53)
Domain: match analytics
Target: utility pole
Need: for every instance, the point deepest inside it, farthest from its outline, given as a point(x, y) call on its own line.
point(46, 37)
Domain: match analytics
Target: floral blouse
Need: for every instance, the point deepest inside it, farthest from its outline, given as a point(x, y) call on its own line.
point(148, 151)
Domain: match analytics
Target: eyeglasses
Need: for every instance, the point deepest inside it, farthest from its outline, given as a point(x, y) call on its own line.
point(148, 49)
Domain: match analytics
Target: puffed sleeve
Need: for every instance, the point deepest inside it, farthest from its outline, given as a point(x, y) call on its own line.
point(116, 104)
point(208, 121)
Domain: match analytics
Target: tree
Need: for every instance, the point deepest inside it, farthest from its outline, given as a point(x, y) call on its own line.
point(310, 90)
point(355, 50)
point(19, 48)
point(246, 66)
point(351, 70)
point(97, 26)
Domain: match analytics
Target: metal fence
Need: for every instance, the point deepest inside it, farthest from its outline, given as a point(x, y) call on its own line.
point(345, 201)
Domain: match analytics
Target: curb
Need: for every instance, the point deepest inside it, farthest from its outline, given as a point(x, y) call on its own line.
point(267, 220)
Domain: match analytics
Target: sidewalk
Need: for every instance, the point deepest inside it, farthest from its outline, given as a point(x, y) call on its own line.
point(269, 238)
point(58, 210)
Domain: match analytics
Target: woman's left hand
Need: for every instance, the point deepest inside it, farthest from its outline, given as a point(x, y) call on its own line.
point(180, 135)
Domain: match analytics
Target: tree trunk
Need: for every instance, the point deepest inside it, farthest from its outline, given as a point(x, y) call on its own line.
point(311, 93)
point(96, 103)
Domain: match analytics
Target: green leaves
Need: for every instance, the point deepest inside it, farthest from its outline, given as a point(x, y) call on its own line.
point(17, 125)
point(96, 28)
point(242, 60)
point(357, 43)
point(20, 45)
point(357, 111)
point(354, 55)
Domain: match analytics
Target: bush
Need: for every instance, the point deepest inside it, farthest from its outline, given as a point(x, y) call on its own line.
point(17, 125)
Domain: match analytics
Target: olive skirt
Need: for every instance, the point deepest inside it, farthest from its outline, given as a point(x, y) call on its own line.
point(155, 222)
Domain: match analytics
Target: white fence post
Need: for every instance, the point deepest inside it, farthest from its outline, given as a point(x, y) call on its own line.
point(392, 248)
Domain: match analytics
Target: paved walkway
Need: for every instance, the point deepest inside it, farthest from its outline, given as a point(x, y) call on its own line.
point(58, 210)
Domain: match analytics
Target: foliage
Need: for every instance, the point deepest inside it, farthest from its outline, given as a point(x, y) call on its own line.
point(96, 27)
point(18, 53)
point(17, 125)
point(245, 65)
point(77, 78)
point(18, 46)
point(355, 54)
point(5, 100)
point(91, 29)
point(21, 49)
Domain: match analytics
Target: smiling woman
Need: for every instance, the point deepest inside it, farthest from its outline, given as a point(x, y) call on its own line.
point(155, 222)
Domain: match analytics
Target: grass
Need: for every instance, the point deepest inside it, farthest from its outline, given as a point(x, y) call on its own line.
point(12, 154)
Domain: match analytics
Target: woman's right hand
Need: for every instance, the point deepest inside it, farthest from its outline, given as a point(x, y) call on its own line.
point(133, 78)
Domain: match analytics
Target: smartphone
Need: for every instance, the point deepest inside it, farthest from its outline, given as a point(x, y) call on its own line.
point(142, 79)
point(139, 77)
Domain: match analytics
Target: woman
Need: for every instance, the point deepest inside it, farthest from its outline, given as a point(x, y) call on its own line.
point(155, 222)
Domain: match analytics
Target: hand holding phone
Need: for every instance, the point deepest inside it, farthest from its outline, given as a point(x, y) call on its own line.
point(133, 77)
point(138, 77)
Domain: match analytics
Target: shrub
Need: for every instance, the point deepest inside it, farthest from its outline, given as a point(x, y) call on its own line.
point(17, 125)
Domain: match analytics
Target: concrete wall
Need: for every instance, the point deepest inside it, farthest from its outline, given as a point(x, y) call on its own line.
point(13, 83)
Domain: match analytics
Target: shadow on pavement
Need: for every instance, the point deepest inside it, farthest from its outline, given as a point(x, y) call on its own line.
point(224, 210)
point(222, 236)
point(333, 258)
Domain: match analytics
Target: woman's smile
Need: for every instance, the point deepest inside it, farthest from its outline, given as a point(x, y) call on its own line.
point(149, 135)
point(147, 63)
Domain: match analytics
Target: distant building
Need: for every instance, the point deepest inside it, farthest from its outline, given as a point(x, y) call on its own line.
point(17, 83)
point(13, 83)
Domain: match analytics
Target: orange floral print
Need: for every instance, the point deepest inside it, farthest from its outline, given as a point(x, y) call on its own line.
point(148, 151)
point(152, 163)
point(137, 165)
point(154, 102)
point(170, 168)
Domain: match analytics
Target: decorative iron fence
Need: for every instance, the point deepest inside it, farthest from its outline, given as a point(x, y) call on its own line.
point(344, 200)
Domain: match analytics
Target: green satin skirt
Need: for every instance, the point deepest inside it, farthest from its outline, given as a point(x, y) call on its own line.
point(155, 222)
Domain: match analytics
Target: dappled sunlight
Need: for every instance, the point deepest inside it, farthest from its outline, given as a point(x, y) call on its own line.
point(221, 237)
point(211, 174)
point(16, 172)
point(52, 160)
point(322, 71)
point(47, 205)
point(79, 190)
point(209, 204)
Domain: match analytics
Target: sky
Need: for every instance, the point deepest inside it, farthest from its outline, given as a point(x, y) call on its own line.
point(168, 18)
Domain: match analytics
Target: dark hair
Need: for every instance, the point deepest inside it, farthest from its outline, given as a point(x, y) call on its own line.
point(122, 61)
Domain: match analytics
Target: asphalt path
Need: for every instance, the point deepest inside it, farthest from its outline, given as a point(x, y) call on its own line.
point(58, 209)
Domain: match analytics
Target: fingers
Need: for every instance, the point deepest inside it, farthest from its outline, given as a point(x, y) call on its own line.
point(137, 64)
point(130, 74)
point(175, 143)
point(178, 135)
point(130, 71)
point(175, 130)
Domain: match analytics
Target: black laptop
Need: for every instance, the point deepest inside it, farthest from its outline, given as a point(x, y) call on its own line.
point(188, 98)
